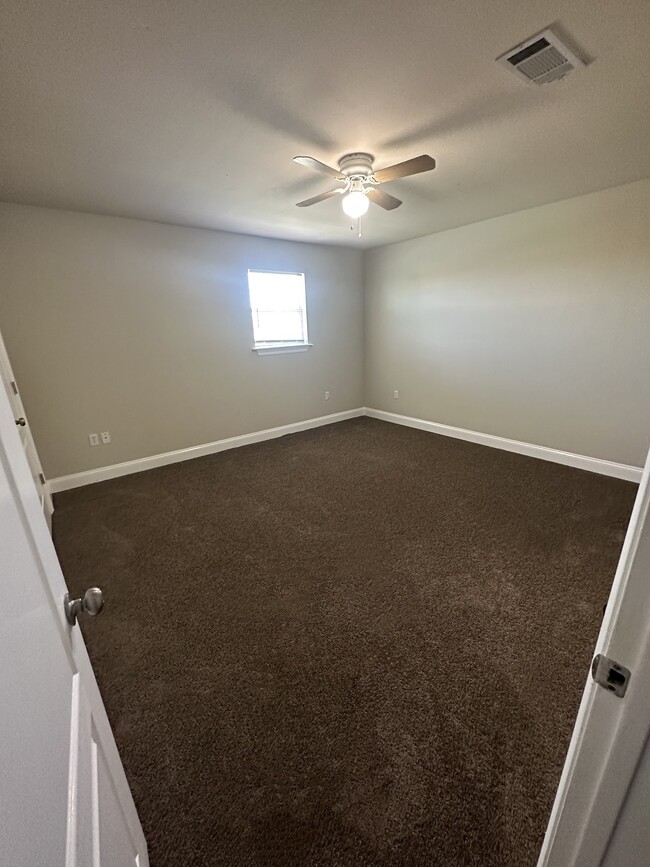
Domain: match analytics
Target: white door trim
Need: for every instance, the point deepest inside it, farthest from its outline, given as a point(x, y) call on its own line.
point(16, 402)
point(610, 733)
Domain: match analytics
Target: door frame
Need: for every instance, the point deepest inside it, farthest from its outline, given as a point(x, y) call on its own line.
point(16, 402)
point(610, 733)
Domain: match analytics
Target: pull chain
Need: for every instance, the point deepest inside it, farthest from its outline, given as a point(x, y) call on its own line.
point(358, 226)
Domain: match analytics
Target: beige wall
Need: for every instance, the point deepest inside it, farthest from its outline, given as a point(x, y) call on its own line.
point(144, 330)
point(533, 326)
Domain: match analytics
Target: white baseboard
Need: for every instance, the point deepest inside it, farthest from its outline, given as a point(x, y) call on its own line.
point(582, 462)
point(89, 477)
point(593, 465)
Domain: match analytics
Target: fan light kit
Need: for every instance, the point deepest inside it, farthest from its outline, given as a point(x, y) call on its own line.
point(355, 204)
point(360, 181)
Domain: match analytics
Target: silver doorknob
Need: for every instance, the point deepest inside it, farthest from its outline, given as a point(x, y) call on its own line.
point(92, 603)
point(21, 421)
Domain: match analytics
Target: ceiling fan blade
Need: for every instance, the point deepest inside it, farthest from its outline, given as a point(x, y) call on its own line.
point(311, 163)
point(402, 170)
point(379, 197)
point(320, 198)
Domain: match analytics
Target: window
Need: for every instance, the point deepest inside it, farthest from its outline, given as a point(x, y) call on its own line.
point(279, 311)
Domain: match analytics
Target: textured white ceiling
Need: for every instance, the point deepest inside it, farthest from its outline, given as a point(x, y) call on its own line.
point(190, 112)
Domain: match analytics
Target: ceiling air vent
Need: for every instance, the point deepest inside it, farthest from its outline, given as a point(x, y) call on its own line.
point(540, 59)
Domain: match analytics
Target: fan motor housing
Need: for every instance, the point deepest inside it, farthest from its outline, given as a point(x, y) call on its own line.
point(357, 164)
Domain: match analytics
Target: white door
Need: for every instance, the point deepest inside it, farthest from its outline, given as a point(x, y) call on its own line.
point(22, 423)
point(64, 798)
point(599, 817)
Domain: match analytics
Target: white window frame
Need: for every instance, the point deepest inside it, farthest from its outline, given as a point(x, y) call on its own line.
point(279, 348)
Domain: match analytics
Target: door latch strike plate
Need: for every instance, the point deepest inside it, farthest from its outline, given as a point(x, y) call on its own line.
point(611, 675)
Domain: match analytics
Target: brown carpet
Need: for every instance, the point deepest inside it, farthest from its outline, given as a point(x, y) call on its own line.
point(360, 645)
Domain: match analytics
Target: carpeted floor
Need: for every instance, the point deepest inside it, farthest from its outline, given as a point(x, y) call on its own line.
point(359, 645)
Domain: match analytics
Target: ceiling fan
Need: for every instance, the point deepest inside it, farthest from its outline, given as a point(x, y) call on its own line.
point(360, 181)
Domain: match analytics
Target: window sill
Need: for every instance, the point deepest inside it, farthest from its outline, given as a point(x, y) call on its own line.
point(282, 348)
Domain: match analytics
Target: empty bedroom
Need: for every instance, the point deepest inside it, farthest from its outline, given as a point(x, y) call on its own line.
point(324, 429)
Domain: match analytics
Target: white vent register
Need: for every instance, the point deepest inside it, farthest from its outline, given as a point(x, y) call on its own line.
point(541, 59)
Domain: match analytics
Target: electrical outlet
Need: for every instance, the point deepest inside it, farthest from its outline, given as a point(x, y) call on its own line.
point(106, 437)
point(396, 394)
point(327, 395)
point(93, 439)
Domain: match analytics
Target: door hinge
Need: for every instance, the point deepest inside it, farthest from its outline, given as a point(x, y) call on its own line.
point(611, 675)
point(14, 387)
point(42, 478)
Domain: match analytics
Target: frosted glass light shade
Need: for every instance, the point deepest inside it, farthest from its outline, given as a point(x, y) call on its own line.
point(355, 204)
